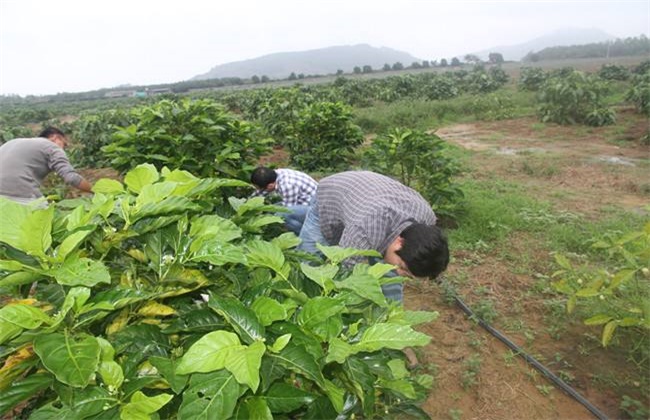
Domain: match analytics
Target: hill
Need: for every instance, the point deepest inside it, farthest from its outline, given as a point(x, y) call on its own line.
point(311, 62)
point(564, 37)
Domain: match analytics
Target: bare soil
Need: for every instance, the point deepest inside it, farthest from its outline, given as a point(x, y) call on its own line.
point(577, 169)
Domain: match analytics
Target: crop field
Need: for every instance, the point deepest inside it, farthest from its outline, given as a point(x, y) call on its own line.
point(174, 294)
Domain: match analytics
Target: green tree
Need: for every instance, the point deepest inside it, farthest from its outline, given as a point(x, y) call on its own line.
point(293, 76)
point(398, 66)
point(255, 79)
point(367, 69)
point(455, 62)
point(386, 67)
point(356, 70)
point(495, 58)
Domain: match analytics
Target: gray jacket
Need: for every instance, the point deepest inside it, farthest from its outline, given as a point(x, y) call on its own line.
point(24, 163)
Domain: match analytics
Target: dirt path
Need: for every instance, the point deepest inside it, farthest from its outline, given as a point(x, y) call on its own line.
point(576, 169)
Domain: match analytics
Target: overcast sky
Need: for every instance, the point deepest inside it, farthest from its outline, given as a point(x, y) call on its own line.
point(52, 46)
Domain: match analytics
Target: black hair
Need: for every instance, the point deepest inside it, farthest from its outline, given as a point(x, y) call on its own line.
point(51, 131)
point(424, 250)
point(263, 176)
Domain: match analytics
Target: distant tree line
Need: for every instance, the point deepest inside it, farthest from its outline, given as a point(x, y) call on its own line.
point(618, 48)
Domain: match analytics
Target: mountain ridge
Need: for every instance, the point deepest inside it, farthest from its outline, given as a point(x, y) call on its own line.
point(326, 60)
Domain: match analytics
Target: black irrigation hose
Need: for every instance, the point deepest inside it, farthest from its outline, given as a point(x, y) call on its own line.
point(559, 382)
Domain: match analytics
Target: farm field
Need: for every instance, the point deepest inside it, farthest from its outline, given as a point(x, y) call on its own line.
point(573, 171)
point(171, 276)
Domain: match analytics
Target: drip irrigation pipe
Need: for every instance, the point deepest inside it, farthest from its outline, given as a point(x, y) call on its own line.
point(555, 379)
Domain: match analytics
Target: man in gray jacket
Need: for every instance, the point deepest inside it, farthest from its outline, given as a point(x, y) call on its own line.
point(25, 162)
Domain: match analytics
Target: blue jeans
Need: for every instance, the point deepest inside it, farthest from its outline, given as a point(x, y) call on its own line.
point(310, 235)
point(295, 219)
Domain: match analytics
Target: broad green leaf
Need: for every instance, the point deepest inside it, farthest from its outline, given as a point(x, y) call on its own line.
point(72, 241)
point(168, 206)
point(242, 319)
point(362, 381)
point(398, 369)
point(412, 317)
point(201, 320)
point(621, 277)
point(25, 316)
point(72, 359)
point(319, 310)
point(108, 186)
point(153, 309)
point(280, 343)
point(268, 310)
point(210, 396)
point(255, 224)
point(608, 332)
point(365, 286)
point(24, 228)
point(14, 216)
point(91, 402)
point(167, 369)
point(391, 336)
point(23, 389)
point(380, 269)
point(111, 373)
point(400, 386)
point(8, 330)
point(286, 240)
point(599, 319)
point(322, 275)
point(218, 253)
point(8, 265)
point(338, 351)
point(141, 176)
point(19, 278)
point(265, 254)
point(335, 394)
point(216, 227)
point(562, 261)
point(140, 407)
point(154, 193)
point(297, 359)
point(285, 398)
point(245, 364)
point(209, 353)
point(255, 408)
point(337, 254)
point(81, 272)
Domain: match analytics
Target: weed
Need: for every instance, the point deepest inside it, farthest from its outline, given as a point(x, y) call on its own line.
point(484, 309)
point(469, 376)
point(635, 409)
point(544, 389)
point(455, 413)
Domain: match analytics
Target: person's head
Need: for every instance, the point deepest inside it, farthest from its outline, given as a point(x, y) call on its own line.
point(419, 251)
point(264, 178)
point(55, 135)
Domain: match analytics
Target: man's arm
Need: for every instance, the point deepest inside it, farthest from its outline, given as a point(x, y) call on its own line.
point(85, 186)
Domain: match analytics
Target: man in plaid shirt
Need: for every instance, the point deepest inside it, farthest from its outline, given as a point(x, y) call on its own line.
point(294, 187)
point(367, 210)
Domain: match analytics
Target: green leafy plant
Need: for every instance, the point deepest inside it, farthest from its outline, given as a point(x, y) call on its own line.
point(324, 137)
point(615, 295)
point(575, 98)
point(192, 135)
point(418, 160)
point(531, 78)
point(163, 297)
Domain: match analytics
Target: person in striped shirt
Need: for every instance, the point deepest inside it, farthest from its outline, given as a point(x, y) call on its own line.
point(295, 188)
point(367, 210)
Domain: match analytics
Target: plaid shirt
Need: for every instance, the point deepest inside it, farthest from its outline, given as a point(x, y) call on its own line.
point(295, 187)
point(366, 210)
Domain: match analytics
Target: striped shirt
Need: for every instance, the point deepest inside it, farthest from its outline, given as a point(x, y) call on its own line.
point(296, 188)
point(366, 210)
